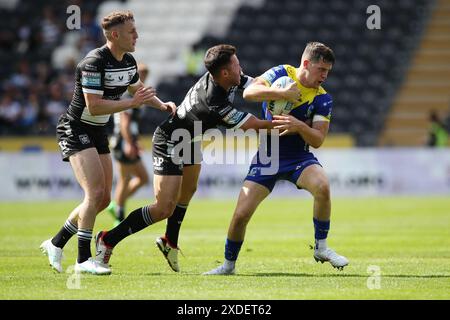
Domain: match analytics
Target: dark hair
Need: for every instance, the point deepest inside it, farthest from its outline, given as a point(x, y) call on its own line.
point(217, 57)
point(315, 51)
point(115, 18)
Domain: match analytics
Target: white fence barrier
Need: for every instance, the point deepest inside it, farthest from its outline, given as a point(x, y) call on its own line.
point(352, 172)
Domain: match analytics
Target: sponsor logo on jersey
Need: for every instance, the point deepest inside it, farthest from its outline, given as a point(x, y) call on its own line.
point(157, 162)
point(91, 79)
point(90, 67)
point(224, 111)
point(233, 117)
point(114, 78)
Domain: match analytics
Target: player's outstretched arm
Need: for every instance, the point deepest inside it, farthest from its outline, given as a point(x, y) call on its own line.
point(314, 135)
point(155, 102)
point(99, 106)
point(257, 124)
point(135, 87)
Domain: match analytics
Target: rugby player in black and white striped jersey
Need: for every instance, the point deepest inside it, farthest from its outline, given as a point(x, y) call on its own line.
point(207, 105)
point(101, 79)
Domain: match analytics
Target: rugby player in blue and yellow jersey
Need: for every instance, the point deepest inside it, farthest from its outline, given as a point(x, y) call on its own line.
point(306, 125)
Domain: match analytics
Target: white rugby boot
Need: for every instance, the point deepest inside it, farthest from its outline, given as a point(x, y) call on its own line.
point(220, 270)
point(93, 267)
point(54, 254)
point(327, 254)
point(103, 252)
point(171, 254)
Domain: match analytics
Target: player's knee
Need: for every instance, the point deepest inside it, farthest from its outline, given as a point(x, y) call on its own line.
point(242, 217)
point(96, 196)
point(163, 210)
point(323, 189)
point(144, 179)
point(124, 182)
point(105, 202)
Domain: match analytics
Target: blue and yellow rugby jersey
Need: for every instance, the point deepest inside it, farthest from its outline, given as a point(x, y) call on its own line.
point(315, 105)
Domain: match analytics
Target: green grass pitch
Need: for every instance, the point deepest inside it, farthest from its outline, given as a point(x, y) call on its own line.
point(406, 239)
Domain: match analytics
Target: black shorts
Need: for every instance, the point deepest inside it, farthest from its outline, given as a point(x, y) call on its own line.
point(117, 144)
point(73, 136)
point(168, 156)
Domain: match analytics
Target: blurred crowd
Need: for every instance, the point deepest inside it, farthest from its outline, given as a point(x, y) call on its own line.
point(36, 82)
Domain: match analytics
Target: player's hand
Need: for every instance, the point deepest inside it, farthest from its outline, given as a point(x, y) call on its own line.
point(143, 95)
point(169, 107)
point(287, 124)
point(292, 93)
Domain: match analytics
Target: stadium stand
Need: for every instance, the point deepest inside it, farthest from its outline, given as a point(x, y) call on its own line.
point(33, 91)
point(427, 85)
point(370, 63)
point(370, 68)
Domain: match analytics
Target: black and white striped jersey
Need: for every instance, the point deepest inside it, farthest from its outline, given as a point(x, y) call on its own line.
point(100, 73)
point(209, 104)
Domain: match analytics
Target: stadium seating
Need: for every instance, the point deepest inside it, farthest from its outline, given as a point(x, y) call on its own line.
point(426, 88)
point(168, 29)
point(369, 63)
point(31, 33)
point(369, 70)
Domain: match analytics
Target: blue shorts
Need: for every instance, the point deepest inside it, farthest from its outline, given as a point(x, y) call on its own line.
point(289, 169)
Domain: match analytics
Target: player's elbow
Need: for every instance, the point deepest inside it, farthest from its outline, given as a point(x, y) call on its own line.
point(92, 108)
point(317, 143)
point(95, 107)
point(93, 104)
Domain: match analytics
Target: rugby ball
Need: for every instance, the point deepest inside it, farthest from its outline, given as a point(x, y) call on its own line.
point(277, 107)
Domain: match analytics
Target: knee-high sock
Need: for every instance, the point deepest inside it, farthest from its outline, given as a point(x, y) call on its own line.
point(321, 229)
point(84, 244)
point(64, 235)
point(174, 224)
point(136, 221)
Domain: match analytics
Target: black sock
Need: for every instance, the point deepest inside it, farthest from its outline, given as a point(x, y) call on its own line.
point(174, 224)
point(66, 232)
point(84, 244)
point(136, 221)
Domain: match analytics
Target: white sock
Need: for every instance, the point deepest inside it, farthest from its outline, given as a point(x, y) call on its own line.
point(321, 244)
point(229, 265)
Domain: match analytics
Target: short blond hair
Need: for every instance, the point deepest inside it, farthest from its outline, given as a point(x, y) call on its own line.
point(114, 19)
